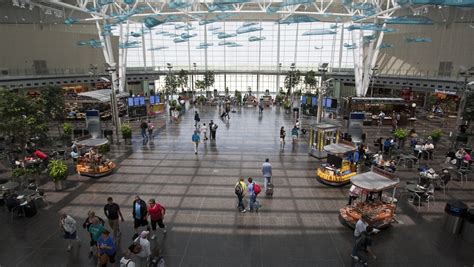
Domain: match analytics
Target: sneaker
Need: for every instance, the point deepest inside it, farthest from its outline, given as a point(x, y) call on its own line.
point(69, 248)
point(244, 211)
point(90, 254)
point(153, 237)
point(164, 231)
point(355, 257)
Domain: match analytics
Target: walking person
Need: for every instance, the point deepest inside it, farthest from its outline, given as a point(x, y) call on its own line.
point(126, 260)
point(139, 212)
point(282, 136)
point(93, 224)
point(266, 173)
point(213, 127)
point(107, 249)
point(150, 129)
point(145, 251)
point(156, 212)
point(294, 134)
point(195, 138)
point(240, 191)
point(95, 230)
point(363, 244)
point(197, 119)
point(112, 213)
point(69, 226)
point(253, 190)
point(203, 130)
point(143, 128)
point(260, 107)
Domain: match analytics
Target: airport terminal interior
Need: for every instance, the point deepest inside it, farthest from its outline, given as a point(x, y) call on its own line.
point(236, 133)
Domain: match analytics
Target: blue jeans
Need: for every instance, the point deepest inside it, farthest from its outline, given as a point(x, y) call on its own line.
point(241, 202)
point(252, 200)
point(144, 133)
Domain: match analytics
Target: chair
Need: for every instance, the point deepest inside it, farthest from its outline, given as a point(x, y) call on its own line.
point(429, 196)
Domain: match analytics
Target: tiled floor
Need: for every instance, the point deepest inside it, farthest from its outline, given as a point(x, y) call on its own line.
point(299, 226)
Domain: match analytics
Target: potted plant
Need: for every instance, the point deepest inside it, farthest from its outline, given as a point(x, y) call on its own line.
point(21, 174)
point(287, 106)
point(401, 135)
point(127, 134)
point(58, 172)
point(104, 149)
point(436, 135)
point(67, 133)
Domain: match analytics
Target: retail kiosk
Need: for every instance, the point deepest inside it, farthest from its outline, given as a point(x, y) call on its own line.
point(92, 163)
point(371, 199)
point(338, 170)
point(320, 135)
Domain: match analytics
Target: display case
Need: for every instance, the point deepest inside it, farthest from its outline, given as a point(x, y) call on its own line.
point(371, 200)
point(338, 170)
point(320, 135)
point(92, 163)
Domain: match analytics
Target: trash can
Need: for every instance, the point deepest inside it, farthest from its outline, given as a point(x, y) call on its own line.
point(109, 134)
point(468, 226)
point(455, 211)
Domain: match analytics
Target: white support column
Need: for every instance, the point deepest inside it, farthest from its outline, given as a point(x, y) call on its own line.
point(278, 61)
point(152, 51)
point(205, 50)
point(357, 73)
point(144, 49)
point(360, 50)
point(109, 58)
point(370, 60)
point(341, 46)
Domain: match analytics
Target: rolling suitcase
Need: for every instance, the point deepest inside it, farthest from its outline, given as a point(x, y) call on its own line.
point(269, 192)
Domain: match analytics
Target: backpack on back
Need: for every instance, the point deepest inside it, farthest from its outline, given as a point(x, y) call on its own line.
point(256, 188)
point(238, 189)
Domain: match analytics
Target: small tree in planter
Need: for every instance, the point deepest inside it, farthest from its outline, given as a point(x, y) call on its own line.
point(238, 96)
point(287, 106)
point(104, 149)
point(58, 172)
point(401, 135)
point(436, 135)
point(67, 130)
point(127, 134)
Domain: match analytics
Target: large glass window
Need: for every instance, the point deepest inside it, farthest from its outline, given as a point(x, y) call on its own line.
point(237, 53)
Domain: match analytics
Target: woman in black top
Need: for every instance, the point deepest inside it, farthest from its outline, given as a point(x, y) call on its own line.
point(282, 135)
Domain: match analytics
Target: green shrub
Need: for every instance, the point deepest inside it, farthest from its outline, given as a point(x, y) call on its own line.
point(436, 135)
point(286, 104)
point(104, 149)
point(400, 133)
point(67, 128)
point(126, 131)
point(57, 170)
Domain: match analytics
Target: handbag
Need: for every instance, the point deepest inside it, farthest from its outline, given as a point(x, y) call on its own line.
point(103, 259)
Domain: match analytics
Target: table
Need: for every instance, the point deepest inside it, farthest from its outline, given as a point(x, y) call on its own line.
point(406, 157)
point(415, 192)
point(25, 194)
point(10, 185)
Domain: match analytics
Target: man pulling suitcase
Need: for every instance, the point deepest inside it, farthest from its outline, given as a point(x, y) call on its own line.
point(267, 175)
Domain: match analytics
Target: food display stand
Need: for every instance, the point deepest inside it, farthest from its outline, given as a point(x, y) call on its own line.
point(92, 163)
point(267, 100)
point(320, 135)
point(338, 170)
point(379, 208)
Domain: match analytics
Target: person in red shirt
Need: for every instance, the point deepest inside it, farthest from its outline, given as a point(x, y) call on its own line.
point(156, 213)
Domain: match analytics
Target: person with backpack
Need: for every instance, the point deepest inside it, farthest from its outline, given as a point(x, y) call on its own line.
point(267, 173)
point(68, 225)
point(142, 249)
point(363, 244)
point(156, 213)
point(143, 127)
point(253, 190)
point(240, 190)
point(294, 134)
point(195, 138)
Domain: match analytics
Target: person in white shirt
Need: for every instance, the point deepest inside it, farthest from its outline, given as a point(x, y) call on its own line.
point(144, 254)
point(361, 226)
point(68, 224)
point(203, 130)
point(126, 261)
